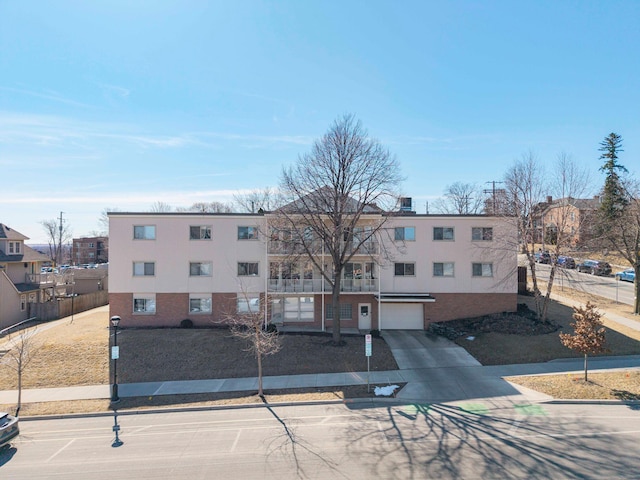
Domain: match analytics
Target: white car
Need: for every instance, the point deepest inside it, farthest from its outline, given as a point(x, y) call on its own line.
point(8, 428)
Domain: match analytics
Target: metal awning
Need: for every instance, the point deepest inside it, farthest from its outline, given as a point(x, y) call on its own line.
point(405, 298)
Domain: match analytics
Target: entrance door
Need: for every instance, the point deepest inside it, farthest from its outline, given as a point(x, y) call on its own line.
point(364, 316)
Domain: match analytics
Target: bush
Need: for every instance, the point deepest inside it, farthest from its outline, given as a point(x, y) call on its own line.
point(271, 328)
point(375, 333)
point(186, 323)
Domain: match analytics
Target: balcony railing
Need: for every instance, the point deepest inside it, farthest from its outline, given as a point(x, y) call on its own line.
point(315, 285)
point(280, 247)
point(42, 279)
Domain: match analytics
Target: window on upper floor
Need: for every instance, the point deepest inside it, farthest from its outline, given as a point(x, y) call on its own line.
point(199, 303)
point(200, 269)
point(404, 269)
point(11, 248)
point(407, 234)
point(482, 269)
point(200, 232)
point(443, 233)
point(144, 269)
point(91, 245)
point(247, 233)
point(247, 269)
point(482, 234)
point(144, 303)
point(443, 269)
point(144, 232)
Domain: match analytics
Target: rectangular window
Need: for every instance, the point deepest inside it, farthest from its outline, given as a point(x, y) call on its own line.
point(91, 245)
point(144, 304)
point(345, 311)
point(248, 304)
point(247, 233)
point(200, 269)
point(482, 269)
point(247, 269)
point(199, 303)
point(17, 247)
point(10, 248)
point(144, 269)
point(200, 232)
point(408, 234)
point(443, 233)
point(144, 232)
point(405, 269)
point(23, 303)
point(443, 269)
point(482, 234)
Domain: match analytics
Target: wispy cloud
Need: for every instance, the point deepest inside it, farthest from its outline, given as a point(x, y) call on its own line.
point(50, 95)
point(115, 90)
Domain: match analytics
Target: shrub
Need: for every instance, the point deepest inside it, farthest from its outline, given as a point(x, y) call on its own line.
point(186, 323)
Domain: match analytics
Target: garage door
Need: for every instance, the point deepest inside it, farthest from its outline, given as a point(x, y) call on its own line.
point(402, 316)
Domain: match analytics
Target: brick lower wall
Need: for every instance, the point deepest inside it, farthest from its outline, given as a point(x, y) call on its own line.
point(452, 306)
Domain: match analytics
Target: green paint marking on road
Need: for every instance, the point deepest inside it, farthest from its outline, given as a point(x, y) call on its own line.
point(529, 409)
point(416, 408)
point(475, 408)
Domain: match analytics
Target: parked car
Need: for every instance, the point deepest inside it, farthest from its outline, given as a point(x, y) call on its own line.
point(628, 275)
point(566, 262)
point(595, 267)
point(542, 257)
point(8, 428)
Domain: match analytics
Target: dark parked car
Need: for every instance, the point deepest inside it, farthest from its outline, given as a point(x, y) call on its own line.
point(595, 267)
point(628, 275)
point(8, 428)
point(566, 262)
point(542, 257)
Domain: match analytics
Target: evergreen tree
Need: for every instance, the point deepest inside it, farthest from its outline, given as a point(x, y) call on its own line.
point(614, 199)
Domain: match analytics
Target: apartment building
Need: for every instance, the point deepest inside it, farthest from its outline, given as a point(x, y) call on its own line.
point(90, 250)
point(167, 267)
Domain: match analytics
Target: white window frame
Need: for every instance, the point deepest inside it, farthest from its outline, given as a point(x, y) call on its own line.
point(200, 269)
point(11, 247)
point(248, 304)
point(446, 272)
point(485, 268)
point(252, 232)
point(444, 239)
point(23, 303)
point(18, 247)
point(149, 304)
point(404, 269)
point(204, 232)
point(478, 234)
point(400, 234)
point(148, 232)
point(142, 267)
point(203, 300)
point(247, 269)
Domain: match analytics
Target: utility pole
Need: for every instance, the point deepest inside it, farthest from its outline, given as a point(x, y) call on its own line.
point(493, 194)
point(59, 253)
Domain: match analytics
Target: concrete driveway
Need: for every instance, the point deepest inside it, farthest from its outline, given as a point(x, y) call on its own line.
point(438, 370)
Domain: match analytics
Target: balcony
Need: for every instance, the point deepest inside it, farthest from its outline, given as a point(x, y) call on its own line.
point(280, 247)
point(42, 279)
point(315, 285)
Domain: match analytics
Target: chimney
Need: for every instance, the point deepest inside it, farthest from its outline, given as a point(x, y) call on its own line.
point(549, 199)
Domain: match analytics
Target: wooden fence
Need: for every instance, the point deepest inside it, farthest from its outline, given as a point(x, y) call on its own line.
point(64, 307)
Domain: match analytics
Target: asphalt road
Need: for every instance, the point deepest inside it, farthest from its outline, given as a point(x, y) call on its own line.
point(607, 287)
point(471, 440)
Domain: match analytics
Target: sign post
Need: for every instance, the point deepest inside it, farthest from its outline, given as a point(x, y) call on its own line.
point(367, 352)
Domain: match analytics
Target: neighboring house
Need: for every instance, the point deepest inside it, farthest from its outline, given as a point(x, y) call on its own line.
point(21, 283)
point(90, 250)
point(167, 267)
point(573, 216)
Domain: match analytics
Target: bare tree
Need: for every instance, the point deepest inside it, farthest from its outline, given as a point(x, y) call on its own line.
point(588, 337)
point(161, 207)
point(58, 234)
point(460, 199)
point(22, 349)
point(103, 221)
point(208, 207)
point(250, 326)
point(330, 193)
point(526, 185)
point(258, 200)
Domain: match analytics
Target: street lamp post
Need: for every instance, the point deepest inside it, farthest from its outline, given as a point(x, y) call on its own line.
point(115, 353)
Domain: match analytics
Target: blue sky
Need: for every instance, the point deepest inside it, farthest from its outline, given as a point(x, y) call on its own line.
point(121, 104)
